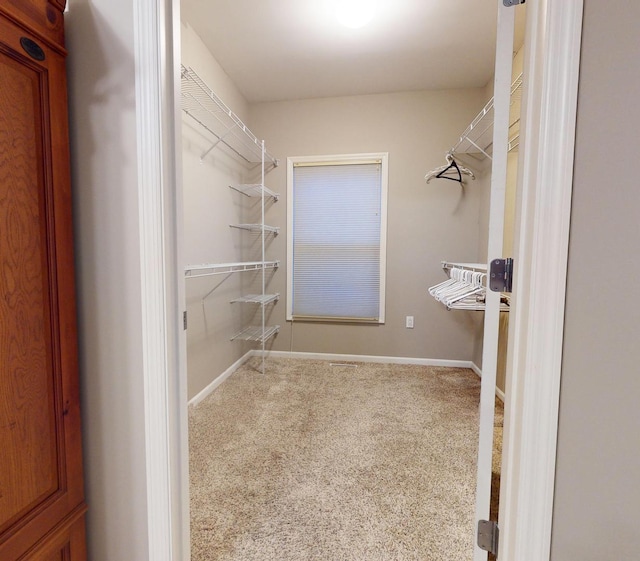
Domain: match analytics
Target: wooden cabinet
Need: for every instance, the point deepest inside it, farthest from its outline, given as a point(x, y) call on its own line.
point(41, 486)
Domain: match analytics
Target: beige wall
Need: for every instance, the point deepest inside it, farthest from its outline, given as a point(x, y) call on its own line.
point(426, 223)
point(597, 500)
point(101, 74)
point(209, 207)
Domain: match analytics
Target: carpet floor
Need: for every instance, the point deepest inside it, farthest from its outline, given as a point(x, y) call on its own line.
point(320, 462)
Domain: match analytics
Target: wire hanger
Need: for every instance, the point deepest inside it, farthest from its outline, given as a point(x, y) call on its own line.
point(452, 171)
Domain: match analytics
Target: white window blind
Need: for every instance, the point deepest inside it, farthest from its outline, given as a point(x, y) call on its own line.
point(337, 238)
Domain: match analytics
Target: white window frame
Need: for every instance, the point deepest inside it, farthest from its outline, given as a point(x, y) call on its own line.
point(342, 159)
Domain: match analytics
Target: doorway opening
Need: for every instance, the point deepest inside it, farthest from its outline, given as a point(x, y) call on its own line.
point(261, 117)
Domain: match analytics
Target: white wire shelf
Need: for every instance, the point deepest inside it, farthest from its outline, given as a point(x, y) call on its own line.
point(480, 267)
point(476, 142)
point(257, 228)
point(262, 299)
point(205, 107)
point(466, 288)
point(208, 269)
point(477, 305)
point(255, 190)
point(256, 334)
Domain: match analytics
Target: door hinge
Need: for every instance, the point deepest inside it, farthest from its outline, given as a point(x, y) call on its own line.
point(184, 320)
point(488, 534)
point(501, 275)
point(509, 3)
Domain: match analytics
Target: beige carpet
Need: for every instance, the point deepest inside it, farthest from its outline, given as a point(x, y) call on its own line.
point(317, 462)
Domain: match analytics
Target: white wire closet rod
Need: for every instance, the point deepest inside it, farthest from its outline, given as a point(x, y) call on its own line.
point(208, 269)
point(480, 267)
point(255, 190)
point(475, 306)
point(477, 139)
point(205, 107)
point(465, 289)
point(262, 299)
point(257, 228)
point(256, 334)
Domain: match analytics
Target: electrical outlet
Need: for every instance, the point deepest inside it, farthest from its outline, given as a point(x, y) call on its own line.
point(409, 322)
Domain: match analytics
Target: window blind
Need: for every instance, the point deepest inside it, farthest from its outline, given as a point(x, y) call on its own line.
point(336, 260)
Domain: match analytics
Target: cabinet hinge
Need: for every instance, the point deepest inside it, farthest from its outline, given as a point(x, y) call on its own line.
point(488, 534)
point(509, 3)
point(184, 320)
point(501, 275)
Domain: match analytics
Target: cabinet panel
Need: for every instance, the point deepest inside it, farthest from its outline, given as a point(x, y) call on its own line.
point(29, 463)
point(44, 17)
point(41, 483)
point(66, 543)
point(62, 554)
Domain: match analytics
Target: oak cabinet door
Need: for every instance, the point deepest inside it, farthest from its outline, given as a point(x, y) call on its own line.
point(41, 486)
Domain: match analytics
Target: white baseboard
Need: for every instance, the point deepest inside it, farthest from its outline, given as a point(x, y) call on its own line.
point(499, 392)
point(213, 385)
point(366, 358)
point(339, 357)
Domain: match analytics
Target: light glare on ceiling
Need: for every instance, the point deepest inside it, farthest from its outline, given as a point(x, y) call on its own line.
point(355, 13)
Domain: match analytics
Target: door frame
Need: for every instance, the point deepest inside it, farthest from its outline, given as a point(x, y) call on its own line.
point(536, 326)
point(156, 26)
point(544, 210)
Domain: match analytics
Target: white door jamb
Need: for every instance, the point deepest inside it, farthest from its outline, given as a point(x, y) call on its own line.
point(545, 181)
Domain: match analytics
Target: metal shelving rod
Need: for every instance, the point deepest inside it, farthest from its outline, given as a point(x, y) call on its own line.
point(255, 190)
point(256, 334)
point(202, 104)
point(477, 139)
point(480, 267)
point(264, 239)
point(477, 306)
point(262, 299)
point(466, 287)
point(257, 228)
point(227, 268)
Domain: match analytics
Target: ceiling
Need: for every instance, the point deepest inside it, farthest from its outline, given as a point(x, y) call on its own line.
point(295, 49)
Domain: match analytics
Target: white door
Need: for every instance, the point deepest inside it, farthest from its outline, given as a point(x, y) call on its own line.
point(502, 90)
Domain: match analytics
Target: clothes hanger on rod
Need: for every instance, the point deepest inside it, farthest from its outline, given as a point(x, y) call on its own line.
point(462, 290)
point(452, 171)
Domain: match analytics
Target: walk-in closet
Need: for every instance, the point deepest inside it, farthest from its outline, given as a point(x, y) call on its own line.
point(342, 194)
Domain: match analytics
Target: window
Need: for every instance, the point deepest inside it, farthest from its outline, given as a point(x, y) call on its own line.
point(336, 248)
